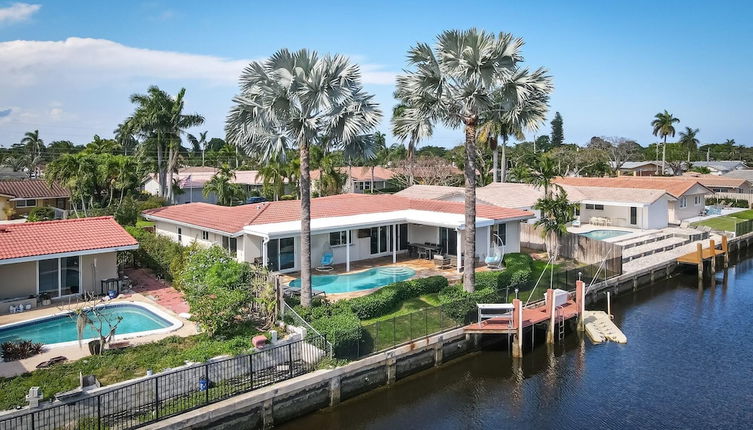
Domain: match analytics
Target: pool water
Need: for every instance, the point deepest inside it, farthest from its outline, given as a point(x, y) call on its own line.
point(604, 234)
point(62, 328)
point(372, 278)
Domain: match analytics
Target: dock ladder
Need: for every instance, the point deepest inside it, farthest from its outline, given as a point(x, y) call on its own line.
point(561, 328)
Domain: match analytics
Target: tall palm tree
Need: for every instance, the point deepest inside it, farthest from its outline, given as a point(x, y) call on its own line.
point(273, 174)
point(663, 125)
point(34, 146)
point(421, 129)
point(160, 121)
point(689, 140)
point(296, 100)
point(456, 83)
point(380, 154)
point(199, 145)
point(222, 186)
point(362, 148)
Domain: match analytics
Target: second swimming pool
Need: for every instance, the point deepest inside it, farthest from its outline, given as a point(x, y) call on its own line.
point(368, 279)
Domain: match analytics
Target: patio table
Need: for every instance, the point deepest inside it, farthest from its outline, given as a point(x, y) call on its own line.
point(430, 249)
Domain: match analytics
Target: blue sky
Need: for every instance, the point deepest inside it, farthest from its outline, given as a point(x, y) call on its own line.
point(67, 68)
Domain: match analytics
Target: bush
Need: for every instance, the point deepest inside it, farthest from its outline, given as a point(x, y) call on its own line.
point(41, 214)
point(343, 330)
point(460, 305)
point(20, 349)
point(386, 299)
point(127, 213)
point(158, 253)
point(217, 309)
point(210, 266)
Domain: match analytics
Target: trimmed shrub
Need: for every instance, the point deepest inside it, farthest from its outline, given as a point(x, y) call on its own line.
point(343, 330)
point(158, 253)
point(386, 299)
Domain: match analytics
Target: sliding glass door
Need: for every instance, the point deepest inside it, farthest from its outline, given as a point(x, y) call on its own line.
point(378, 240)
point(59, 276)
point(281, 254)
point(448, 241)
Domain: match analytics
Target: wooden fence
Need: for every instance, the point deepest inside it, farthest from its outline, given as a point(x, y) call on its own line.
point(735, 196)
point(576, 247)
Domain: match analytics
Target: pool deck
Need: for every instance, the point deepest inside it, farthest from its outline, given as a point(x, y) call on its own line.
point(74, 352)
point(423, 268)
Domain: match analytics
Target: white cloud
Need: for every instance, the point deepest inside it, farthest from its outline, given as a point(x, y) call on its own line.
point(89, 62)
point(18, 12)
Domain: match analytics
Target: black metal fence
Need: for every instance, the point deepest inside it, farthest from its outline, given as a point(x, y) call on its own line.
point(167, 394)
point(743, 227)
point(380, 335)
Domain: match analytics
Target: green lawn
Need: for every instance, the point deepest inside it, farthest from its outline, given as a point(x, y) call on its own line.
point(408, 306)
point(116, 366)
point(144, 223)
point(744, 215)
point(726, 222)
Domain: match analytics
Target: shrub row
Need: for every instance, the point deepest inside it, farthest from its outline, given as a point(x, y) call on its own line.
point(158, 253)
point(386, 299)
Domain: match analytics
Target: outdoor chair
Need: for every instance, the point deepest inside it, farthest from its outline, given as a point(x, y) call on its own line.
point(494, 262)
point(325, 265)
point(442, 261)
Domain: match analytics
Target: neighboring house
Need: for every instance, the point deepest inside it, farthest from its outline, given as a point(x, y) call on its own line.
point(18, 198)
point(7, 173)
point(722, 183)
point(502, 194)
point(688, 194)
point(191, 180)
point(352, 226)
point(720, 167)
point(360, 179)
point(60, 258)
point(638, 168)
point(746, 174)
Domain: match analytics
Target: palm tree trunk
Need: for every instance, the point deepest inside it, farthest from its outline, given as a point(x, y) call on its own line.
point(664, 156)
point(305, 226)
point(411, 151)
point(503, 177)
point(469, 266)
point(495, 164)
point(160, 170)
point(350, 178)
point(372, 179)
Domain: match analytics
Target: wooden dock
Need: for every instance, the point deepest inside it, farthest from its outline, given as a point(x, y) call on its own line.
point(531, 317)
point(707, 254)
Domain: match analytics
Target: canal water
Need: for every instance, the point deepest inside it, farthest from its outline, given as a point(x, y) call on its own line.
point(688, 363)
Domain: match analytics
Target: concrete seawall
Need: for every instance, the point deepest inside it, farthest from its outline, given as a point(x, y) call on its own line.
point(323, 388)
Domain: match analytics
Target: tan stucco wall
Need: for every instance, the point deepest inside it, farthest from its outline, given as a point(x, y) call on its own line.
point(106, 267)
point(18, 280)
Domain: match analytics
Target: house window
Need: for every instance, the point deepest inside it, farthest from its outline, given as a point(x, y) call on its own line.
point(26, 203)
point(59, 276)
point(697, 200)
point(378, 239)
point(204, 235)
point(338, 238)
point(230, 244)
point(499, 230)
point(594, 207)
point(683, 202)
point(180, 235)
point(633, 215)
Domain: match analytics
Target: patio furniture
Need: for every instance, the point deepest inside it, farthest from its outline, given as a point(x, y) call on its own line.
point(289, 291)
point(576, 222)
point(442, 261)
point(494, 261)
point(425, 250)
point(325, 264)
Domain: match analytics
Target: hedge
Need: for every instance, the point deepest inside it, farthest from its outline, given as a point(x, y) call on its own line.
point(389, 297)
point(158, 253)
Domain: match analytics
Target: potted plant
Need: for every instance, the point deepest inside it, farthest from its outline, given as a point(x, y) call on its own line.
point(45, 299)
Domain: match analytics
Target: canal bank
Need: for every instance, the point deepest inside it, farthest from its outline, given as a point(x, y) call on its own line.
point(687, 365)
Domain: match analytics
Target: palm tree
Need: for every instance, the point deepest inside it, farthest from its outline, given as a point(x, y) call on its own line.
point(422, 129)
point(689, 140)
point(199, 144)
point(362, 148)
point(222, 186)
point(380, 154)
point(273, 174)
point(160, 121)
point(296, 100)
point(34, 146)
point(456, 83)
point(663, 125)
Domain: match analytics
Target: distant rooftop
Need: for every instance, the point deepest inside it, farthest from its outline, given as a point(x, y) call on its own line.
point(32, 189)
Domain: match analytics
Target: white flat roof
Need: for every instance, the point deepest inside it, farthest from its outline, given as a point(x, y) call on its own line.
point(409, 216)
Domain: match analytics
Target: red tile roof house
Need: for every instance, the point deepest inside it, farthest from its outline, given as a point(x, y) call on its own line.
point(360, 178)
point(191, 181)
point(61, 258)
point(269, 233)
point(18, 198)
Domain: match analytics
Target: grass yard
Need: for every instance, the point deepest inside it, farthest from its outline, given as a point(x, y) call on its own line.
point(726, 222)
point(411, 305)
point(743, 215)
point(144, 223)
point(116, 366)
point(402, 328)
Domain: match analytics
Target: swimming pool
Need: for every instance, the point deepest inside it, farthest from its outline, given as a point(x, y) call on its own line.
point(60, 328)
point(372, 278)
point(604, 234)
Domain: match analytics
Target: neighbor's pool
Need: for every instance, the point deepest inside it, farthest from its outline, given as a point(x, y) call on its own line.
point(61, 328)
point(604, 234)
point(372, 278)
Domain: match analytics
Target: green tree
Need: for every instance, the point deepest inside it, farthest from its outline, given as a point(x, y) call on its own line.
point(689, 140)
point(221, 185)
point(455, 83)
point(34, 146)
point(663, 126)
point(558, 134)
point(296, 100)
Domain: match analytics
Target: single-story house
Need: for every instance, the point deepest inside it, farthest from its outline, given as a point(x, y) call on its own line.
point(18, 198)
point(720, 167)
point(689, 195)
point(58, 258)
point(502, 194)
point(359, 178)
point(191, 180)
point(352, 227)
point(638, 168)
point(722, 183)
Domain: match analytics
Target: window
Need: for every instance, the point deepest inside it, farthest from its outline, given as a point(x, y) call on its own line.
point(230, 244)
point(378, 239)
point(281, 254)
point(204, 235)
point(697, 200)
point(633, 215)
point(338, 238)
point(448, 241)
point(402, 237)
point(683, 202)
point(498, 230)
point(59, 276)
point(180, 235)
point(26, 203)
point(594, 207)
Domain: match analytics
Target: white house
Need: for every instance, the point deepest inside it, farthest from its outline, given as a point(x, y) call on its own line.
point(352, 227)
point(721, 167)
point(191, 180)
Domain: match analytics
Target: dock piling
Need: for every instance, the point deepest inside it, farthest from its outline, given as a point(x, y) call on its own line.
point(517, 340)
point(712, 246)
point(552, 313)
point(725, 249)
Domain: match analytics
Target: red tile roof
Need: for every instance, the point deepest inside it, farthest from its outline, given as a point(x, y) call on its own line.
point(32, 189)
point(233, 219)
point(360, 173)
point(675, 186)
point(55, 237)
